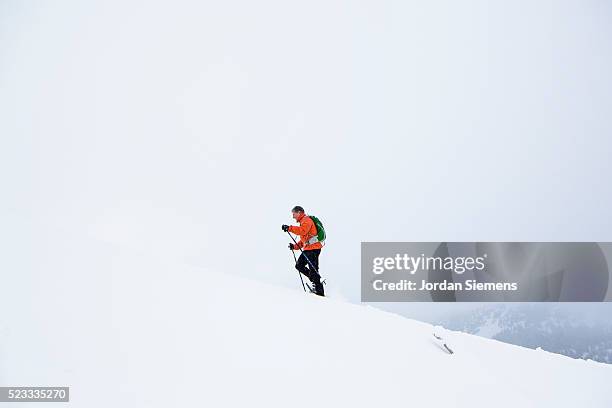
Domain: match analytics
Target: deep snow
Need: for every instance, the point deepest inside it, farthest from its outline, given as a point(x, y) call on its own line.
point(125, 330)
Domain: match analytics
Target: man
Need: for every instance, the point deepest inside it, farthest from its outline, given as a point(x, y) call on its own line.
point(308, 262)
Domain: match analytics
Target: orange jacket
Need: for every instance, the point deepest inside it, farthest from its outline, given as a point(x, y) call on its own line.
point(306, 230)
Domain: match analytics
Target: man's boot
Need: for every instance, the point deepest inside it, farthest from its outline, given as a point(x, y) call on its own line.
point(318, 286)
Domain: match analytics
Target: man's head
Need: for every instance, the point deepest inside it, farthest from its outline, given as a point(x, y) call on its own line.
point(297, 212)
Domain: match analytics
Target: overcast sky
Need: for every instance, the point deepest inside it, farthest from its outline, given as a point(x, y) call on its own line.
point(188, 130)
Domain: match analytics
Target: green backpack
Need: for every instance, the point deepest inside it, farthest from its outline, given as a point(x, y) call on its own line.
point(320, 228)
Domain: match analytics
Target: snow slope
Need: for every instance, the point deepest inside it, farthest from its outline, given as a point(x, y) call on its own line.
point(125, 330)
point(578, 330)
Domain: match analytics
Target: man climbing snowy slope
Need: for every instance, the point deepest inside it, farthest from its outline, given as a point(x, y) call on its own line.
point(310, 245)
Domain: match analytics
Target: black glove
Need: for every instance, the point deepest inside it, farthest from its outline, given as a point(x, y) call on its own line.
point(285, 228)
point(291, 247)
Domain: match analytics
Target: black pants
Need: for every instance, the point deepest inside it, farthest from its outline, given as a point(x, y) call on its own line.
point(306, 268)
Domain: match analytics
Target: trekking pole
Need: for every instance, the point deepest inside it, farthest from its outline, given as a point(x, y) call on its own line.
point(300, 275)
point(310, 263)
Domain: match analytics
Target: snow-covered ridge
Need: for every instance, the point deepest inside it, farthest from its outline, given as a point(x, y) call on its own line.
point(126, 330)
point(549, 326)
